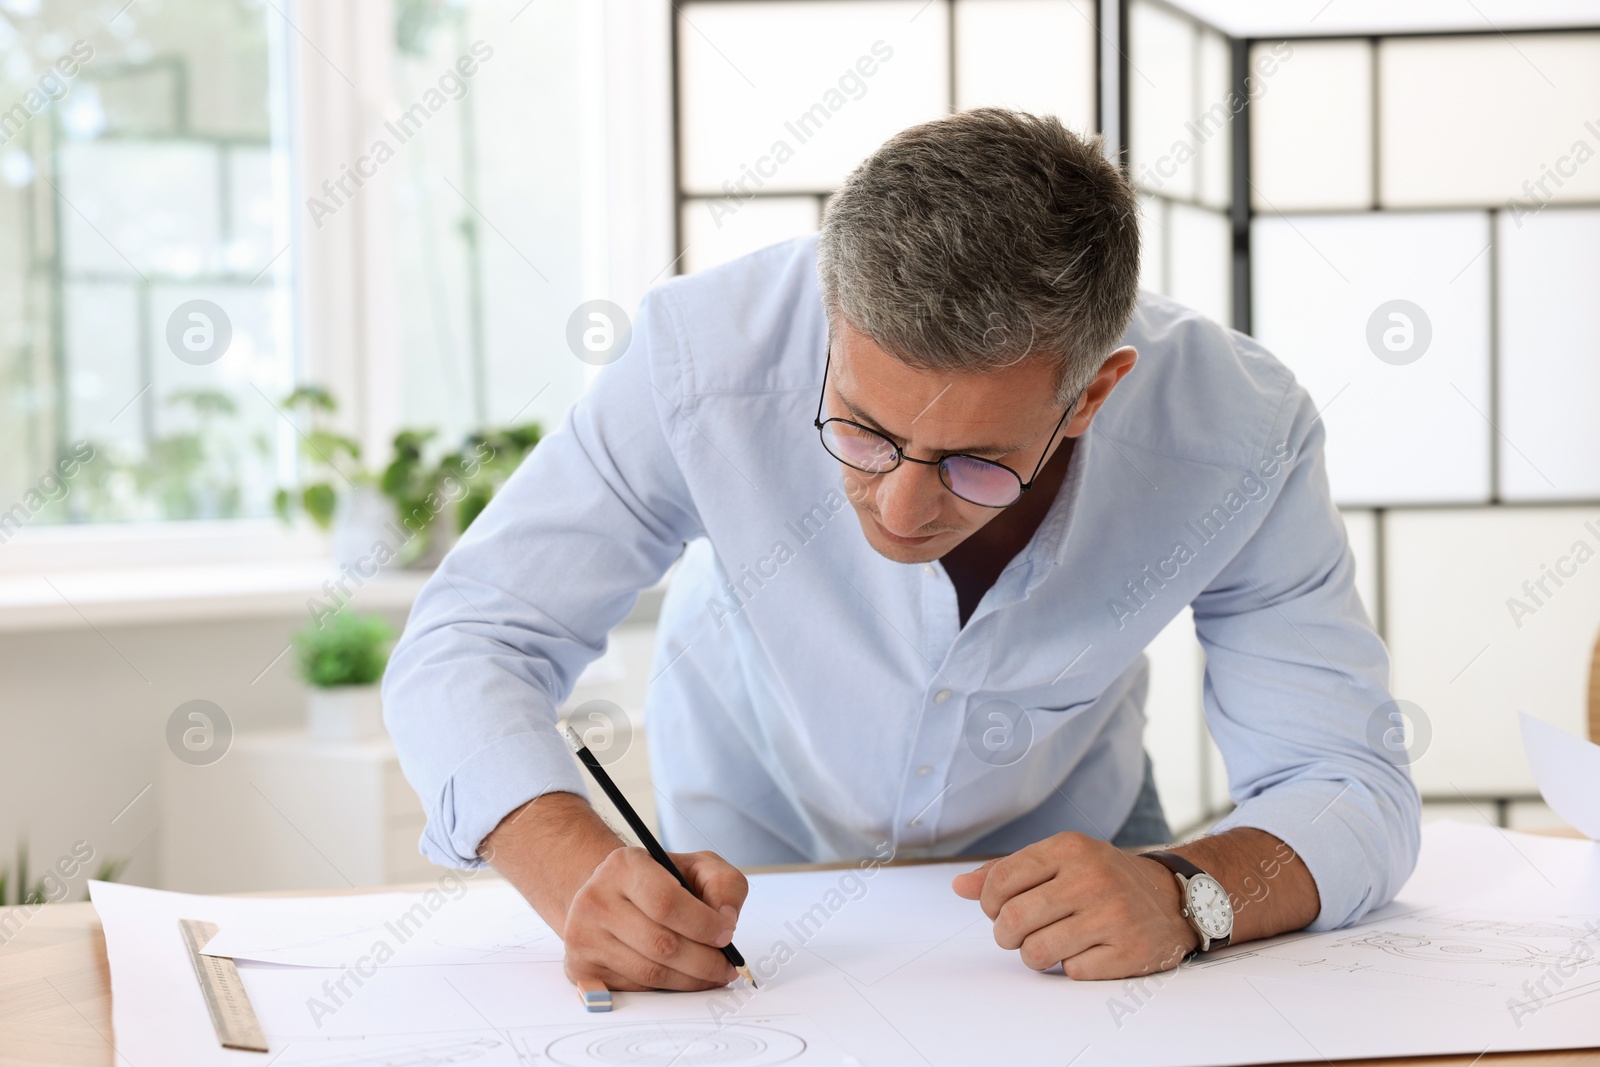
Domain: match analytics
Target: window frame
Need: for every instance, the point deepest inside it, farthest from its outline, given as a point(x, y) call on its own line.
point(341, 307)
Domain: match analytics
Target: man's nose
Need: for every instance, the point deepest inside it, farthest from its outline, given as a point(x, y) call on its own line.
point(909, 498)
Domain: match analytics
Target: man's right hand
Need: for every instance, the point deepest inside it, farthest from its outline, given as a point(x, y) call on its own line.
point(632, 926)
point(624, 918)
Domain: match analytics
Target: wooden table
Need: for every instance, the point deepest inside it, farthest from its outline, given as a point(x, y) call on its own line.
point(55, 996)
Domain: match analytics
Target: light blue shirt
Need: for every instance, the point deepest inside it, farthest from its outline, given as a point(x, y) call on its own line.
point(813, 700)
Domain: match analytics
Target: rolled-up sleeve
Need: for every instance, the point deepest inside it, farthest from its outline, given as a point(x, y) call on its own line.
point(500, 633)
point(1295, 675)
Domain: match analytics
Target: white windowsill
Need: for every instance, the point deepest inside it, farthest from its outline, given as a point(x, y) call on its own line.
point(41, 549)
point(65, 600)
point(219, 580)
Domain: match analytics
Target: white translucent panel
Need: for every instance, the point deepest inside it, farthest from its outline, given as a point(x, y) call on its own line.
point(1200, 261)
point(715, 231)
point(1362, 529)
point(1214, 120)
point(1161, 100)
point(1470, 120)
point(1274, 18)
point(1549, 354)
point(1483, 624)
point(239, 472)
point(254, 234)
point(1032, 55)
point(1311, 125)
point(791, 96)
point(1152, 243)
point(1398, 432)
point(1175, 730)
point(104, 379)
point(135, 207)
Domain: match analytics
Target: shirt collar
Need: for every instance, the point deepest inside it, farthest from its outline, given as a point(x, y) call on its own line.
point(1048, 546)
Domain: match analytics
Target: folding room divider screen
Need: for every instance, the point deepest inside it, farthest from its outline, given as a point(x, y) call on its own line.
point(1410, 221)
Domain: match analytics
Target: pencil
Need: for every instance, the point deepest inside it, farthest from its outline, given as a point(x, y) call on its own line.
point(646, 838)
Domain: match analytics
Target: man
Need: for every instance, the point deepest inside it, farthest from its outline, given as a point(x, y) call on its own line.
point(1045, 467)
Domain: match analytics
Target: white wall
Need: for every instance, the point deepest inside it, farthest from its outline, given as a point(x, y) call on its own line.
point(84, 727)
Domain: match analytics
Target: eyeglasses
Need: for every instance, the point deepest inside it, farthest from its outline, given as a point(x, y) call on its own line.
point(977, 481)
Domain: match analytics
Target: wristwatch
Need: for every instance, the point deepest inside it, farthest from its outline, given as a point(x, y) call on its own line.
point(1205, 902)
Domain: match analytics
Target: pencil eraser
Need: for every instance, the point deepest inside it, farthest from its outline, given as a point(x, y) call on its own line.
point(596, 998)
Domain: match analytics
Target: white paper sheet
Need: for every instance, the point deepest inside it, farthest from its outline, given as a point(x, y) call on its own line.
point(1567, 770)
point(1493, 870)
point(418, 929)
point(894, 968)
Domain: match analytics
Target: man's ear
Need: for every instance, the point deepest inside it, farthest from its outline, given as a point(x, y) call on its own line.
point(1099, 389)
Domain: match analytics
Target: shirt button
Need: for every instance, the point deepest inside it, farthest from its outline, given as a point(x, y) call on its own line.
point(927, 568)
point(924, 770)
point(941, 696)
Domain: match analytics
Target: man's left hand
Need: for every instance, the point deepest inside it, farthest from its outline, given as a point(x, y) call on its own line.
point(1081, 902)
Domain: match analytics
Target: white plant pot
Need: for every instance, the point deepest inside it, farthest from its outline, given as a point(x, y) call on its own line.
point(345, 713)
point(442, 537)
point(360, 522)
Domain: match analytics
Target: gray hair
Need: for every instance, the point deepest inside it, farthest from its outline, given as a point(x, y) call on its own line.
point(973, 241)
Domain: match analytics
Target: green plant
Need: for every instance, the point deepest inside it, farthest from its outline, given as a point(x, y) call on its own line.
point(460, 482)
point(409, 478)
point(343, 649)
point(196, 469)
point(469, 477)
point(415, 21)
point(17, 886)
point(506, 449)
point(110, 870)
point(16, 892)
point(323, 448)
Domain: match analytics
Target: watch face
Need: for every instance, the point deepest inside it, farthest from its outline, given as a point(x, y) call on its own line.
point(1209, 904)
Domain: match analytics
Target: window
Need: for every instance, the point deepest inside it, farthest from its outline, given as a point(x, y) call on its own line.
point(483, 258)
point(211, 202)
point(145, 306)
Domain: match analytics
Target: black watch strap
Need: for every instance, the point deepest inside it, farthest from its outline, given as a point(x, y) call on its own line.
point(1174, 863)
point(1178, 865)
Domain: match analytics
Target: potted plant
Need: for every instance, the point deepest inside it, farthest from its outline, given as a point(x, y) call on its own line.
point(342, 657)
point(401, 505)
point(441, 499)
point(52, 886)
point(354, 518)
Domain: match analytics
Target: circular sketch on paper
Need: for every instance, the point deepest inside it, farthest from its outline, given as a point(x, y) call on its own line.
point(678, 1044)
point(1450, 948)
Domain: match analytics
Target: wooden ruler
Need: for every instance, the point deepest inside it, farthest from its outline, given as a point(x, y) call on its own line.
point(231, 1013)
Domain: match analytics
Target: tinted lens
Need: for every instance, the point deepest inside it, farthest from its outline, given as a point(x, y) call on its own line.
point(980, 482)
point(861, 448)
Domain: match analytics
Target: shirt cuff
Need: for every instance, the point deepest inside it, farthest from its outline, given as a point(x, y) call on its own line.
point(1348, 868)
point(490, 784)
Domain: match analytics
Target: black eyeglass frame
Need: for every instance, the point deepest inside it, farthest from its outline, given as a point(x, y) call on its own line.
point(944, 472)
